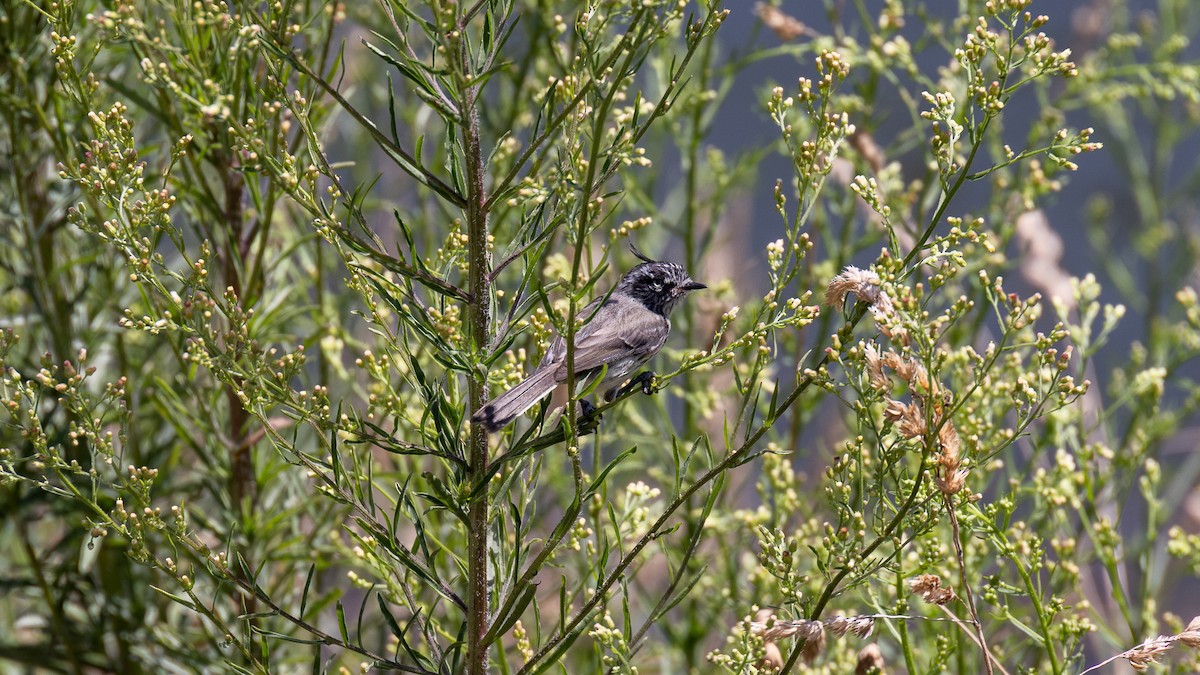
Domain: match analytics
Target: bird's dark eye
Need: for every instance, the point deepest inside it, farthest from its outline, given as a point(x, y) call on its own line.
point(657, 284)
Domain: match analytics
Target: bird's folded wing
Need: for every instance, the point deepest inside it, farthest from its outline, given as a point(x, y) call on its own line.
point(620, 330)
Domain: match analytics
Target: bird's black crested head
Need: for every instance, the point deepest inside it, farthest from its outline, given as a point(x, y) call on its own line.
point(659, 286)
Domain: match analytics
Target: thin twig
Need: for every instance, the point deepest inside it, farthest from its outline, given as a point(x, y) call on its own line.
point(250, 587)
point(406, 160)
point(966, 585)
point(402, 35)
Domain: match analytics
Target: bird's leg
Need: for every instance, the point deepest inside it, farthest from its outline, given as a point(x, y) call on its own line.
point(590, 418)
point(645, 380)
point(587, 407)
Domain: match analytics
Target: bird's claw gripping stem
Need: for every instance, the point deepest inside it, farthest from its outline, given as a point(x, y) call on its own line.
point(649, 381)
point(589, 417)
point(646, 380)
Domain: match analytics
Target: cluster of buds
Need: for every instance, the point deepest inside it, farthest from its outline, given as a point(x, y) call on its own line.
point(629, 226)
point(814, 156)
point(612, 640)
point(111, 164)
point(946, 129)
point(832, 69)
point(777, 556)
point(702, 29)
point(868, 190)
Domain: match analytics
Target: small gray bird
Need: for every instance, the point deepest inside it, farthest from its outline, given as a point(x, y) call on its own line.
point(623, 331)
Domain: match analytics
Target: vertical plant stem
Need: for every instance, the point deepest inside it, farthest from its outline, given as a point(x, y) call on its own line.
point(57, 622)
point(966, 585)
point(1032, 590)
point(242, 487)
point(906, 646)
point(690, 253)
point(241, 463)
point(477, 317)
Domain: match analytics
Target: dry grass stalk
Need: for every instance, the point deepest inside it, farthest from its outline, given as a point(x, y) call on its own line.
point(1144, 655)
point(813, 633)
point(772, 628)
point(860, 626)
point(766, 625)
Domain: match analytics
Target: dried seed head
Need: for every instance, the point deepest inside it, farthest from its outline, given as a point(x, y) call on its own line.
point(858, 625)
point(772, 660)
point(814, 642)
point(904, 368)
point(862, 283)
point(912, 425)
point(953, 477)
point(894, 411)
point(1145, 654)
point(929, 588)
point(879, 380)
point(952, 483)
point(785, 27)
point(1191, 635)
point(870, 661)
point(1142, 656)
point(866, 286)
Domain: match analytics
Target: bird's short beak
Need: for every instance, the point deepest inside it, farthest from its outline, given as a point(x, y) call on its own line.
point(693, 286)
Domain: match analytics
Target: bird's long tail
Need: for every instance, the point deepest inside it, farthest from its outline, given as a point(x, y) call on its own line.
point(500, 411)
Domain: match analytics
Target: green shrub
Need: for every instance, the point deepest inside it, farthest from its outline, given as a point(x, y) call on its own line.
point(262, 262)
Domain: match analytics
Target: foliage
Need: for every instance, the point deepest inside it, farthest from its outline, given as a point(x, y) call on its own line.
point(262, 262)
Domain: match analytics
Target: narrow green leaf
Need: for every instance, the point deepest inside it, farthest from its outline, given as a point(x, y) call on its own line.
point(503, 623)
point(388, 617)
point(307, 586)
point(341, 619)
point(175, 598)
point(599, 480)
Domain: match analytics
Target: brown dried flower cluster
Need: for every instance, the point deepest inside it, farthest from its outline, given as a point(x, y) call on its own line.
point(785, 27)
point(870, 661)
point(1142, 656)
point(929, 588)
point(772, 629)
point(910, 418)
point(866, 286)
